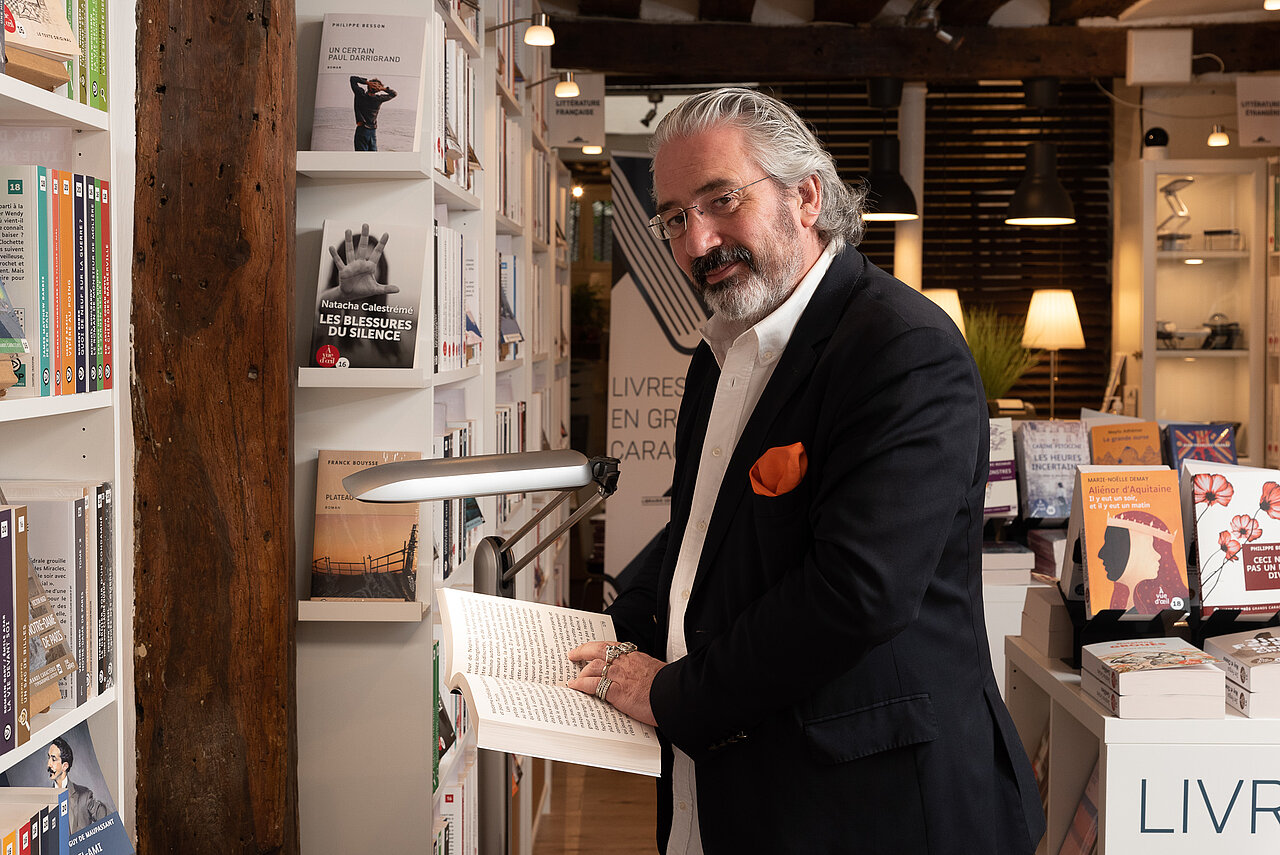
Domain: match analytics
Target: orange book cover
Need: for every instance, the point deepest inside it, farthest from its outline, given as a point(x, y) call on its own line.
point(1126, 444)
point(1133, 545)
point(67, 293)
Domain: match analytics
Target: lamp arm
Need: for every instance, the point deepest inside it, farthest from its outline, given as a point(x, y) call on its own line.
point(583, 509)
point(506, 24)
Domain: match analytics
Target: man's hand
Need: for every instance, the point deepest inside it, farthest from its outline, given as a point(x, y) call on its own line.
point(358, 275)
point(631, 675)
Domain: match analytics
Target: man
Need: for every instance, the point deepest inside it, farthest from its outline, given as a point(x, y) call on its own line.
point(368, 101)
point(810, 630)
point(83, 808)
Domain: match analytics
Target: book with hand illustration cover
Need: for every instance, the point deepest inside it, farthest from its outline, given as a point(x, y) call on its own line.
point(1234, 512)
point(368, 309)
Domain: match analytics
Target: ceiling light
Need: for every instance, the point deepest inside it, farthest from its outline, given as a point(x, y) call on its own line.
point(567, 87)
point(539, 33)
point(888, 198)
point(1218, 136)
point(1040, 199)
point(593, 149)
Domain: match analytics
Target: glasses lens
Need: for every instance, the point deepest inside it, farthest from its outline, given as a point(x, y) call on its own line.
point(658, 229)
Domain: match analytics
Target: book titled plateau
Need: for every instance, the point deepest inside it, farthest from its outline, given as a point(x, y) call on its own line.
point(1215, 443)
point(508, 658)
point(1235, 514)
point(369, 87)
point(1125, 444)
point(1153, 666)
point(368, 310)
point(1132, 552)
point(1250, 658)
point(362, 550)
point(1048, 453)
point(1002, 484)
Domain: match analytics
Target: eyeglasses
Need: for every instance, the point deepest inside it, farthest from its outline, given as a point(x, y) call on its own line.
point(672, 224)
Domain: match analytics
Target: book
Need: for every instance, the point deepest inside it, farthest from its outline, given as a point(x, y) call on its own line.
point(370, 83)
point(1006, 562)
point(368, 309)
point(1250, 658)
point(1164, 706)
point(1234, 512)
point(1050, 547)
point(51, 657)
point(11, 653)
point(1153, 666)
point(1082, 834)
point(508, 657)
point(362, 550)
point(1128, 522)
point(49, 834)
point(40, 27)
point(1253, 704)
point(1047, 454)
point(1215, 443)
point(1125, 444)
point(1002, 485)
point(16, 608)
point(24, 272)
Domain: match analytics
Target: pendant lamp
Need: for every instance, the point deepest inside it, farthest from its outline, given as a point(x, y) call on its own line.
point(1040, 199)
point(888, 197)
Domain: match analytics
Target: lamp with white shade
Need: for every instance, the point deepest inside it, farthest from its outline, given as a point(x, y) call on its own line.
point(1053, 324)
point(949, 300)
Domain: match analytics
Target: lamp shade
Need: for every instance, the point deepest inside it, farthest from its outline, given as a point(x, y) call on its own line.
point(461, 477)
point(1218, 137)
point(888, 197)
point(539, 33)
point(1052, 321)
point(1040, 199)
point(949, 300)
point(566, 86)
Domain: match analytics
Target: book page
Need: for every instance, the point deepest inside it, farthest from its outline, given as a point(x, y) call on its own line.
point(555, 708)
point(514, 639)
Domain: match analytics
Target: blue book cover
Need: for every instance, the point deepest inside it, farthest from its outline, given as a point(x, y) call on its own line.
point(1215, 443)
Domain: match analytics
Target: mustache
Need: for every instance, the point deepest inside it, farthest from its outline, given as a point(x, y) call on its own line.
point(717, 258)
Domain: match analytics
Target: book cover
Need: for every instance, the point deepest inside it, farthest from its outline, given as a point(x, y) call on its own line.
point(1132, 548)
point(1234, 512)
point(1126, 444)
point(1215, 443)
point(508, 657)
point(1082, 834)
point(362, 550)
point(1002, 485)
point(370, 83)
point(22, 275)
point(1163, 706)
point(1250, 658)
point(1153, 666)
point(51, 655)
point(1253, 704)
point(41, 27)
point(1048, 453)
point(8, 637)
point(368, 309)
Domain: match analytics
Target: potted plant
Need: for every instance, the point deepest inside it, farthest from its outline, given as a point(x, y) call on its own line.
point(996, 343)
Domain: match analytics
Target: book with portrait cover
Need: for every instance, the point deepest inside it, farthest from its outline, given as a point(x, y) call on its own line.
point(1234, 513)
point(1213, 442)
point(1132, 552)
point(362, 550)
point(1125, 444)
point(370, 83)
point(1047, 454)
point(368, 307)
point(508, 658)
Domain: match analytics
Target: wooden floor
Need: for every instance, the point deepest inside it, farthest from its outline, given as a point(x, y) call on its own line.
point(623, 806)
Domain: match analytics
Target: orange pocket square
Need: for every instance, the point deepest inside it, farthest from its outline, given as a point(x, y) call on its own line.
point(779, 470)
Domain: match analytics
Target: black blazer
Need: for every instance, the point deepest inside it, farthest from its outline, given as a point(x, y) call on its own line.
point(838, 694)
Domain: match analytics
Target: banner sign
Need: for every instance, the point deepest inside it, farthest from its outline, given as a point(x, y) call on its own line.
point(1258, 109)
point(575, 122)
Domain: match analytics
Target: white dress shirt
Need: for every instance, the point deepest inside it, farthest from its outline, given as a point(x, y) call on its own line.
point(747, 359)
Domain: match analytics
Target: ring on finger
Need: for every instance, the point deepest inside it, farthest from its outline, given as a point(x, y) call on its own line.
point(602, 688)
point(604, 672)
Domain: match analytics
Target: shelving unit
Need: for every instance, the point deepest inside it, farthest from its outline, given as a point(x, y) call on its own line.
point(364, 668)
point(87, 436)
point(1187, 282)
point(1273, 314)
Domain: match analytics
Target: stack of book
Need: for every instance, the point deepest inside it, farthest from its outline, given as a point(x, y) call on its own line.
point(1006, 562)
point(1153, 678)
point(1049, 546)
point(1251, 660)
point(1046, 623)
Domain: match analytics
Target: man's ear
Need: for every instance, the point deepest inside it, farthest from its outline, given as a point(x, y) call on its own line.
point(810, 200)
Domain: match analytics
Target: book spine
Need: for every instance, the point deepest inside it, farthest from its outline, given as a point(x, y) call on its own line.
point(108, 338)
point(1093, 666)
point(64, 822)
point(81, 286)
point(91, 284)
point(1236, 670)
point(21, 626)
point(8, 637)
point(102, 66)
point(46, 270)
point(80, 82)
point(55, 282)
point(67, 296)
point(79, 571)
point(106, 592)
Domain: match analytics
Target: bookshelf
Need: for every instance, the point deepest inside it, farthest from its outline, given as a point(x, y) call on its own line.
point(363, 668)
point(86, 436)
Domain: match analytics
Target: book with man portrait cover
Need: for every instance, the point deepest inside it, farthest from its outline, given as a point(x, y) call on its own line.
point(1234, 513)
point(369, 291)
point(356, 48)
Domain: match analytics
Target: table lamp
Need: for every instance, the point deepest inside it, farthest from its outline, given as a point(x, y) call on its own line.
point(949, 300)
point(1053, 324)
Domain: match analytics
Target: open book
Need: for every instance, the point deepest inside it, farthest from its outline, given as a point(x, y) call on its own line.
point(508, 657)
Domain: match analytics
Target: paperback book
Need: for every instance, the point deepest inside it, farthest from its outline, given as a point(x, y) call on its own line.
point(1153, 666)
point(369, 86)
point(1234, 512)
point(1126, 444)
point(1161, 706)
point(1250, 658)
point(1002, 484)
point(508, 658)
point(368, 309)
point(1048, 453)
point(1215, 443)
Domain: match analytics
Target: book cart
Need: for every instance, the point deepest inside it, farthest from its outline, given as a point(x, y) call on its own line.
point(365, 696)
point(85, 436)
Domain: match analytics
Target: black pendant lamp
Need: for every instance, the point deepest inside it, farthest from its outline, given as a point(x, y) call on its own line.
point(1040, 199)
point(889, 198)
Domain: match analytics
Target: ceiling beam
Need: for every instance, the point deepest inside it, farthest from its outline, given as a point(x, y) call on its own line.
point(726, 10)
point(846, 11)
point(974, 13)
point(610, 8)
point(1070, 11)
point(694, 52)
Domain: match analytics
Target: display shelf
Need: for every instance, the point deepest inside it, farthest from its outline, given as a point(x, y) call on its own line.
point(1207, 255)
point(363, 610)
point(508, 99)
point(21, 409)
point(364, 378)
point(507, 226)
point(46, 725)
point(1191, 353)
point(24, 105)
point(364, 165)
point(454, 197)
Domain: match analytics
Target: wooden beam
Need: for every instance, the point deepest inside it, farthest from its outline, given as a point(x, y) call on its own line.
point(971, 13)
point(212, 317)
point(674, 52)
point(1070, 11)
point(726, 10)
point(610, 8)
point(846, 11)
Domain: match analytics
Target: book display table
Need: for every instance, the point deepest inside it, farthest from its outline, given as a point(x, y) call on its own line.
point(1165, 786)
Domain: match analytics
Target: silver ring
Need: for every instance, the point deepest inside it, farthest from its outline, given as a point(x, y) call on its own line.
point(604, 672)
point(613, 651)
point(602, 688)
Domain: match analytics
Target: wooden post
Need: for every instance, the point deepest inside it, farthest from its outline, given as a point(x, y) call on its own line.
point(212, 404)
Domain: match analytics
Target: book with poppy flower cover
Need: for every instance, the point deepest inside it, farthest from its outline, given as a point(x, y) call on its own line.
point(1234, 513)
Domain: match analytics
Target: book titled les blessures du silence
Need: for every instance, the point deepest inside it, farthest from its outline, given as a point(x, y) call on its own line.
point(358, 48)
point(368, 308)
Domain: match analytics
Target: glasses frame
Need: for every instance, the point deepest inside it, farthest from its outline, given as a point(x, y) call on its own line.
point(658, 227)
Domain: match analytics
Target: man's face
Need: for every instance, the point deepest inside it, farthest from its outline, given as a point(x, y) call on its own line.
point(55, 767)
point(375, 86)
point(746, 264)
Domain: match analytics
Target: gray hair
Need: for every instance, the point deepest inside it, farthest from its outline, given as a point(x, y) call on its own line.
point(783, 146)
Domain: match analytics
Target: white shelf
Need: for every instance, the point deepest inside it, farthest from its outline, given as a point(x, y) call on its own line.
point(364, 165)
point(370, 611)
point(1193, 353)
point(45, 726)
point(1207, 255)
point(22, 104)
point(455, 29)
point(509, 102)
point(507, 226)
point(457, 375)
point(454, 197)
point(19, 409)
point(364, 378)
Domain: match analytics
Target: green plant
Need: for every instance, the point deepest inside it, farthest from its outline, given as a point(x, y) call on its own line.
point(996, 343)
